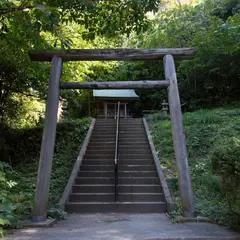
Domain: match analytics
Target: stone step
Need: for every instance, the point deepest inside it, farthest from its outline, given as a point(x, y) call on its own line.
point(97, 167)
point(104, 132)
point(132, 135)
point(125, 148)
point(134, 145)
point(127, 161)
point(136, 167)
point(127, 129)
point(133, 131)
point(110, 197)
point(130, 122)
point(105, 119)
point(96, 147)
point(134, 150)
point(121, 180)
point(137, 174)
point(99, 156)
point(139, 127)
point(111, 150)
point(138, 180)
point(96, 174)
point(103, 140)
point(121, 162)
point(101, 143)
point(131, 125)
point(103, 136)
point(132, 141)
point(140, 138)
point(136, 156)
point(92, 197)
point(98, 162)
point(122, 188)
point(120, 167)
point(120, 174)
point(145, 188)
point(95, 188)
point(135, 142)
point(108, 207)
point(105, 125)
point(95, 180)
point(101, 152)
point(122, 142)
point(140, 197)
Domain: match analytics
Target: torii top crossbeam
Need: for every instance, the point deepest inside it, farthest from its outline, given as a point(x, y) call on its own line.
point(120, 54)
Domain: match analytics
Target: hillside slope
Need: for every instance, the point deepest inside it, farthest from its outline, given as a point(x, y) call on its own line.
point(18, 170)
point(213, 143)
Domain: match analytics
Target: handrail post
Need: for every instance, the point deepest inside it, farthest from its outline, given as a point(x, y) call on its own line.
point(117, 153)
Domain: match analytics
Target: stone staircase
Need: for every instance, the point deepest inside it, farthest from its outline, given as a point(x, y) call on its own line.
point(139, 189)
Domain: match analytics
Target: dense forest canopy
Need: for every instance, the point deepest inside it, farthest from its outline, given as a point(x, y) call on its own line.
point(56, 24)
point(210, 26)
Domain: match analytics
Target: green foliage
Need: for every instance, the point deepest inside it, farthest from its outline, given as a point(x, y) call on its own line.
point(29, 25)
point(57, 213)
point(22, 111)
point(213, 147)
point(17, 195)
point(7, 216)
point(226, 165)
point(225, 160)
point(211, 79)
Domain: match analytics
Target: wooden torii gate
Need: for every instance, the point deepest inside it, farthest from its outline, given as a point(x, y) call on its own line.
point(57, 57)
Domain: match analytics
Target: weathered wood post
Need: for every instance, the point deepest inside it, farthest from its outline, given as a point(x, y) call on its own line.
point(179, 141)
point(48, 141)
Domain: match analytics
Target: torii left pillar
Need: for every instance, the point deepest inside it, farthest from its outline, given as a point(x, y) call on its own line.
point(48, 141)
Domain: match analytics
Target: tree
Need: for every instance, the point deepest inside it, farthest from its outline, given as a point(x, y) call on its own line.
point(54, 24)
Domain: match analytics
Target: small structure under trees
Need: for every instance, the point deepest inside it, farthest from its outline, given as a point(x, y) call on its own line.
point(57, 57)
point(108, 101)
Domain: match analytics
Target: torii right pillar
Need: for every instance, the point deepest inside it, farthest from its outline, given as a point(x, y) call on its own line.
point(179, 141)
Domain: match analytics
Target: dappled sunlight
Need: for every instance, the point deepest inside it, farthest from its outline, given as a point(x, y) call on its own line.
point(166, 124)
point(31, 230)
point(114, 234)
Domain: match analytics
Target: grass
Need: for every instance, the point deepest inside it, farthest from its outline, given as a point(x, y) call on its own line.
point(23, 151)
point(205, 131)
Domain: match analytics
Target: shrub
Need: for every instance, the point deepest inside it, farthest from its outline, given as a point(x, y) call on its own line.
point(213, 148)
point(23, 145)
point(7, 216)
point(226, 164)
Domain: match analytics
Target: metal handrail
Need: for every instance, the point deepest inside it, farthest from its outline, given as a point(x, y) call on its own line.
point(117, 153)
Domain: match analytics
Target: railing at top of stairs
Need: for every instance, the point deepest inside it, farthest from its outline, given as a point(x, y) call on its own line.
point(117, 153)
